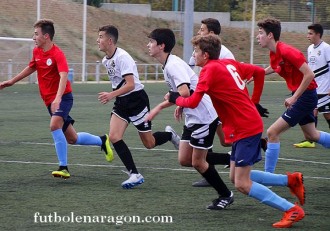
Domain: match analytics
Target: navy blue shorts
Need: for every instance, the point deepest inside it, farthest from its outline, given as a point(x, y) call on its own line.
point(200, 136)
point(247, 151)
point(134, 108)
point(64, 110)
point(302, 111)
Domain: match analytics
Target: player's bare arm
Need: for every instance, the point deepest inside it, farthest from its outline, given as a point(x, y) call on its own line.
point(23, 74)
point(105, 97)
point(60, 91)
point(308, 77)
point(269, 70)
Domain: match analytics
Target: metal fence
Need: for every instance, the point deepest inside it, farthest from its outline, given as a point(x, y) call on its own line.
point(94, 71)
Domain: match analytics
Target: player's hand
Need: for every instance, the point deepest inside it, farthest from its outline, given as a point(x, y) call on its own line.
point(4, 84)
point(173, 96)
point(178, 113)
point(262, 111)
point(104, 97)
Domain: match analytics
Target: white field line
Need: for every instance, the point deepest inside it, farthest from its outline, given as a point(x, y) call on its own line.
point(153, 168)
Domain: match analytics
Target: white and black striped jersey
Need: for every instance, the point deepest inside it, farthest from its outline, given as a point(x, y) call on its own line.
point(120, 65)
point(176, 73)
point(319, 62)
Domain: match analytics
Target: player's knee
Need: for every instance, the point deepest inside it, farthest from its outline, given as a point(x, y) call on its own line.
point(185, 162)
point(149, 145)
point(71, 140)
point(242, 188)
point(114, 138)
point(271, 134)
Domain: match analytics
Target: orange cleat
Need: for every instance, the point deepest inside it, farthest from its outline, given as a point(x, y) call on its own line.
point(291, 216)
point(296, 185)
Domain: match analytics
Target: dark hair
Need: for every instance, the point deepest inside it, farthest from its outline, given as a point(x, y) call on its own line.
point(208, 43)
point(271, 25)
point(212, 24)
point(47, 27)
point(111, 31)
point(164, 36)
point(317, 28)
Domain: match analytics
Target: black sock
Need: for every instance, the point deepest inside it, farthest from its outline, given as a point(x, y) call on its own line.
point(215, 158)
point(125, 155)
point(316, 120)
point(212, 176)
point(162, 137)
point(63, 167)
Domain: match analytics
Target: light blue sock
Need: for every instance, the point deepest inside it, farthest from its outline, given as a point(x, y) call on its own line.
point(268, 197)
point(60, 147)
point(269, 179)
point(324, 139)
point(85, 138)
point(271, 156)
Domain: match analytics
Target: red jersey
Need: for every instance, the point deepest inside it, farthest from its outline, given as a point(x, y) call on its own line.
point(286, 62)
point(223, 81)
point(48, 65)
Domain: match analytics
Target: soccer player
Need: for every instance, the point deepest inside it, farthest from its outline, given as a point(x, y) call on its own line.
point(290, 64)
point(200, 123)
point(223, 81)
point(131, 103)
point(55, 90)
point(319, 61)
point(212, 26)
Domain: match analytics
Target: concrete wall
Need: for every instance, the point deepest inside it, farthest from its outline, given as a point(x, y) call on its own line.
point(223, 17)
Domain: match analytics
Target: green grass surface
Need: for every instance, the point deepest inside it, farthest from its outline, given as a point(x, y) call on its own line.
point(27, 157)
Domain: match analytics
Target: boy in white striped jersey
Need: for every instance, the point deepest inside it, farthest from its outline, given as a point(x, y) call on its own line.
point(318, 54)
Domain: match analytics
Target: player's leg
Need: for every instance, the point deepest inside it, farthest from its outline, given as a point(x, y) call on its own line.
point(246, 154)
point(56, 124)
point(273, 146)
point(151, 140)
point(311, 133)
point(294, 181)
point(210, 174)
point(118, 127)
point(85, 138)
point(327, 118)
point(215, 158)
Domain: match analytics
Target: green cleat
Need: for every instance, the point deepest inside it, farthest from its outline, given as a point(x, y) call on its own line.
point(106, 148)
point(61, 172)
point(305, 144)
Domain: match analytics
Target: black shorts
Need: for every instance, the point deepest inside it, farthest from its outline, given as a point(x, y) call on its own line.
point(134, 108)
point(200, 135)
point(323, 103)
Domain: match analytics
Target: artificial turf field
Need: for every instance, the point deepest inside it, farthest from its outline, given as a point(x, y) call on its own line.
point(27, 188)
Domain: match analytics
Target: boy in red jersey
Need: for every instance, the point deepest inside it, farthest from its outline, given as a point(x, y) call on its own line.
point(290, 64)
point(55, 90)
point(223, 81)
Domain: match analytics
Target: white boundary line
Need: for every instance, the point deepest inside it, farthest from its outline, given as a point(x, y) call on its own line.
point(153, 168)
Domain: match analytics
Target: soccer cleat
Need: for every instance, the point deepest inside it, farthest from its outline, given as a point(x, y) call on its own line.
point(106, 148)
point(201, 183)
point(296, 185)
point(291, 216)
point(263, 143)
point(221, 202)
point(305, 144)
point(175, 137)
point(133, 180)
point(62, 172)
